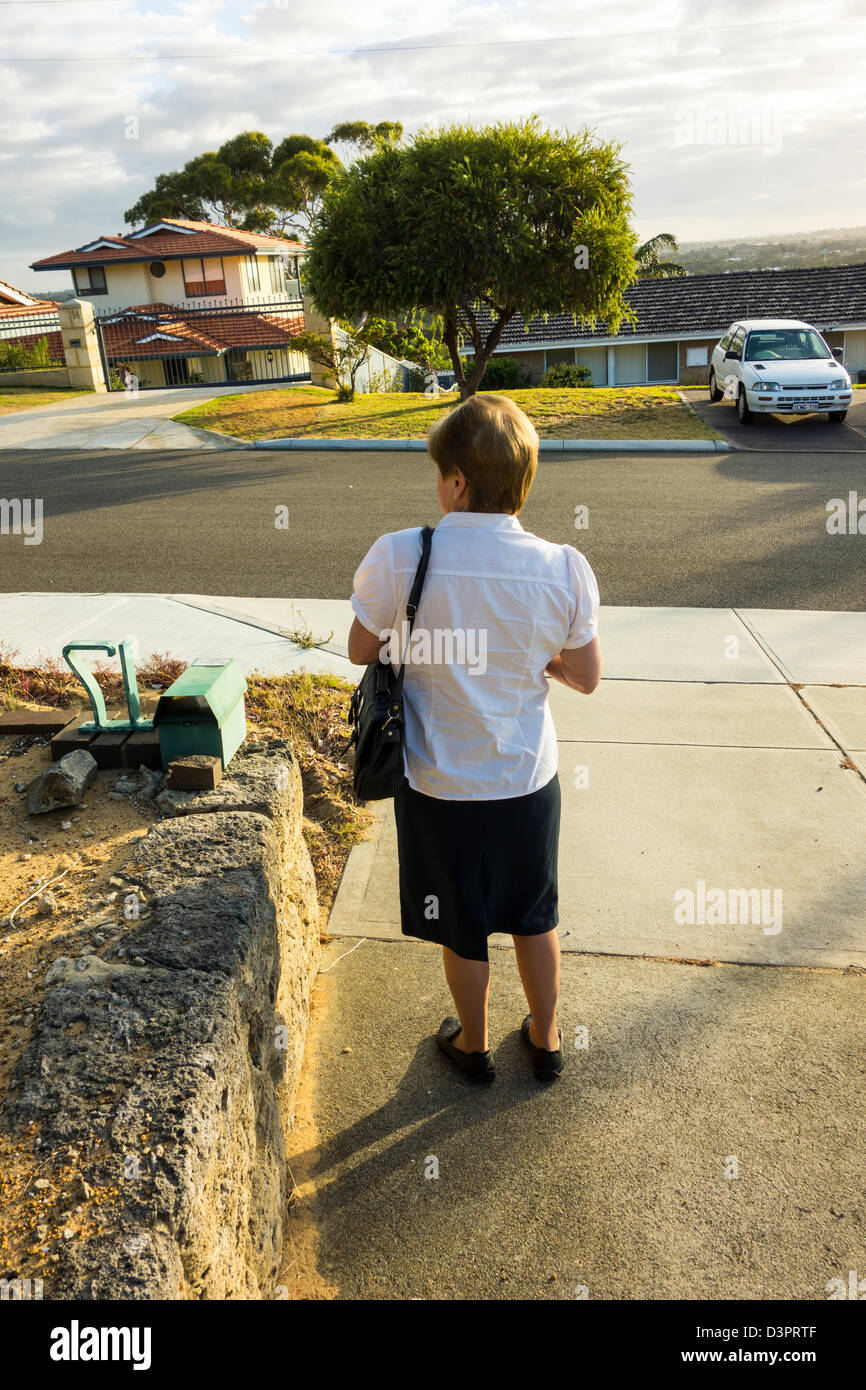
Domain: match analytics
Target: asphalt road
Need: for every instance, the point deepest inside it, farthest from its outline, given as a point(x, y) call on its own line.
point(742, 529)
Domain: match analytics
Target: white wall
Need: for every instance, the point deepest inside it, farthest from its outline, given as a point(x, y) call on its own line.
point(379, 373)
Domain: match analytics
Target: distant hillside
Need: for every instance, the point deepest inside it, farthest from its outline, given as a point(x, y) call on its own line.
point(57, 295)
point(832, 246)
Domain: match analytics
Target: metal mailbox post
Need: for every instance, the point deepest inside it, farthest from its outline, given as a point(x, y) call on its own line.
point(203, 711)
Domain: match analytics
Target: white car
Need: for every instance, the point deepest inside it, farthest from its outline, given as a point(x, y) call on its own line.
point(778, 367)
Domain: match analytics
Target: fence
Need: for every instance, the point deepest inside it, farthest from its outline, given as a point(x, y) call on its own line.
point(30, 339)
point(221, 342)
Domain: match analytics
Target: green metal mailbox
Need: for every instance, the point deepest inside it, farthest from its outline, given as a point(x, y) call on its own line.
point(203, 711)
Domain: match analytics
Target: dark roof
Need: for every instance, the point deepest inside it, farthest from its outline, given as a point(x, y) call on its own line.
point(202, 239)
point(697, 305)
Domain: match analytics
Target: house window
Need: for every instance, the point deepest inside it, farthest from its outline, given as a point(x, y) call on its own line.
point(696, 357)
point(253, 278)
point(554, 355)
point(661, 362)
point(89, 279)
point(203, 277)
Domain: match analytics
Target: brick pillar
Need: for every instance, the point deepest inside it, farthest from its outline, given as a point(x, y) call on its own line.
point(80, 345)
point(315, 322)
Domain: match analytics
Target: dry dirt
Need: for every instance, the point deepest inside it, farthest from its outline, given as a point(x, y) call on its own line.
point(41, 1201)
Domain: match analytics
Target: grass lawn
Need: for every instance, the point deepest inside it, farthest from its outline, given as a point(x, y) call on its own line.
point(636, 412)
point(14, 398)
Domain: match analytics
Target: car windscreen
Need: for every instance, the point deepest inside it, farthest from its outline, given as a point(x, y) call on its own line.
point(784, 345)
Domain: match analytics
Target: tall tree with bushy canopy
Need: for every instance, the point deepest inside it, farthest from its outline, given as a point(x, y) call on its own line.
point(510, 218)
point(257, 186)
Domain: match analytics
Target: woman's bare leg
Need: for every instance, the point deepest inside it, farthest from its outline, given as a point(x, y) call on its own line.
point(538, 963)
point(469, 982)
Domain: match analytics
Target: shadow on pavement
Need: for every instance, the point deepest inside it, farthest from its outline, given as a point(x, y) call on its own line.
point(770, 433)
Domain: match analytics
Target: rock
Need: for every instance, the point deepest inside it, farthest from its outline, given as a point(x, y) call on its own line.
point(148, 782)
point(66, 825)
point(41, 1184)
point(47, 904)
point(62, 784)
point(20, 787)
point(56, 970)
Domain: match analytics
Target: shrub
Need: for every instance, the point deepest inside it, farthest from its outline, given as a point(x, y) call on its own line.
point(567, 374)
point(20, 356)
point(503, 374)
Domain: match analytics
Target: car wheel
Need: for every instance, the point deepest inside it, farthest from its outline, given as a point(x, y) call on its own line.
point(744, 414)
point(715, 393)
point(836, 416)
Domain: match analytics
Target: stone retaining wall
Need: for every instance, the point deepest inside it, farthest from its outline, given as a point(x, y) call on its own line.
point(172, 1066)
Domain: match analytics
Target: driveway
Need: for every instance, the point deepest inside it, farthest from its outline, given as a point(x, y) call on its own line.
point(116, 421)
point(805, 433)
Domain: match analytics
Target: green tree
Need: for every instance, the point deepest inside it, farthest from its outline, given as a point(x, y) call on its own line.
point(362, 137)
point(405, 339)
point(252, 184)
point(465, 219)
point(650, 266)
point(344, 354)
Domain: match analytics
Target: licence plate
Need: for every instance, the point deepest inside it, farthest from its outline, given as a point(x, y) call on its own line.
point(804, 407)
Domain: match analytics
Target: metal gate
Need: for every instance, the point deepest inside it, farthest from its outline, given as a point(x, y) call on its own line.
point(229, 342)
point(30, 338)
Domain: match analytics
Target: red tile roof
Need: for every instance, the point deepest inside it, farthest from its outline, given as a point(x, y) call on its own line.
point(19, 301)
point(27, 311)
point(169, 330)
point(205, 239)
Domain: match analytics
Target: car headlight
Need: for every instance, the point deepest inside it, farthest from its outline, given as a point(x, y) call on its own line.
point(761, 385)
point(839, 384)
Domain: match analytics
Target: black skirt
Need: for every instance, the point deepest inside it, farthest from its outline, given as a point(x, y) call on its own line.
point(469, 868)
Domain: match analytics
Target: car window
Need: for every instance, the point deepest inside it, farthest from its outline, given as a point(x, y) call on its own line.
point(737, 341)
point(725, 342)
point(785, 345)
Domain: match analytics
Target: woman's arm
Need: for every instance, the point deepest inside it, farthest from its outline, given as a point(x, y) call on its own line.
point(364, 645)
point(578, 667)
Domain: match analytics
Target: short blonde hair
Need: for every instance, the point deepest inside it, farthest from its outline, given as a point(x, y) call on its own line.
point(494, 445)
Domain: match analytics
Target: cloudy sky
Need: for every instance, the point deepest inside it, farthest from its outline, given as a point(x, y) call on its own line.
point(740, 117)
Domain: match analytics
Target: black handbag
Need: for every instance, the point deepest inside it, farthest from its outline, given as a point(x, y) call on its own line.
point(376, 710)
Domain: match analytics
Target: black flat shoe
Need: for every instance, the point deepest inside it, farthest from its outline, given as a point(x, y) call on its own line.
point(476, 1065)
point(546, 1065)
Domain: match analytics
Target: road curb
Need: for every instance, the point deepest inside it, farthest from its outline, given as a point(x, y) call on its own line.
point(588, 446)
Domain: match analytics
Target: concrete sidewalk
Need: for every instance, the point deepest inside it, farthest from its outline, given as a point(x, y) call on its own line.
point(114, 420)
point(706, 1138)
point(697, 762)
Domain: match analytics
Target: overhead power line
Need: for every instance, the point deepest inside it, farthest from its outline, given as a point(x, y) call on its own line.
point(233, 55)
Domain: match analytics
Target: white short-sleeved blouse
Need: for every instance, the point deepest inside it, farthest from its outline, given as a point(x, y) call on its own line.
point(497, 604)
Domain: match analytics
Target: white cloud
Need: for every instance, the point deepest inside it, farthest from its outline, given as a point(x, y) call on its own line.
point(631, 70)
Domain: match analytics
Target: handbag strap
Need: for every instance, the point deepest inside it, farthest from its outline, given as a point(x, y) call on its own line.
point(415, 595)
